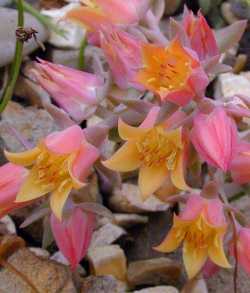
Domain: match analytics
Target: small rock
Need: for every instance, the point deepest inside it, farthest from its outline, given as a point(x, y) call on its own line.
point(29, 122)
point(34, 94)
point(155, 271)
point(8, 24)
point(102, 284)
point(230, 84)
point(45, 275)
point(73, 33)
point(130, 220)
point(40, 252)
point(227, 13)
point(128, 199)
point(106, 235)
point(158, 289)
point(7, 225)
point(108, 260)
point(68, 58)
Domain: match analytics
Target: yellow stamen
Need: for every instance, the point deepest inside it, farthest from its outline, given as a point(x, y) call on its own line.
point(156, 149)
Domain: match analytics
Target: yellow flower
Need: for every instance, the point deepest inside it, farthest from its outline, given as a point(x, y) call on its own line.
point(154, 150)
point(201, 227)
point(58, 164)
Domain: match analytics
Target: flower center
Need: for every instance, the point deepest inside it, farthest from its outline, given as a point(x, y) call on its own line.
point(199, 234)
point(171, 73)
point(52, 169)
point(155, 149)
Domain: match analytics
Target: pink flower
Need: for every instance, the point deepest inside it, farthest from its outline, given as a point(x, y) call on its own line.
point(240, 167)
point(214, 136)
point(97, 13)
point(243, 248)
point(73, 90)
point(200, 35)
point(73, 235)
point(59, 163)
point(11, 179)
point(123, 53)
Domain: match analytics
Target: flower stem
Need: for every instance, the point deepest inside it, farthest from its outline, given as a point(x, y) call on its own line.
point(15, 68)
point(81, 54)
point(234, 225)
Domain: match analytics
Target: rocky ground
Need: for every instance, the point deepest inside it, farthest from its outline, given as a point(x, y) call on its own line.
point(120, 258)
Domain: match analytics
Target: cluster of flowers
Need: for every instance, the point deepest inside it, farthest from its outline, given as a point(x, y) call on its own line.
point(180, 128)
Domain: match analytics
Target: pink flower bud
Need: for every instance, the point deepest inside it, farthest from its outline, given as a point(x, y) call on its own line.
point(11, 179)
point(123, 53)
point(73, 235)
point(201, 37)
point(73, 90)
point(243, 248)
point(214, 137)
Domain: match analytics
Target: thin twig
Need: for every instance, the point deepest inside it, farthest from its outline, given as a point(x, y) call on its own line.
point(234, 223)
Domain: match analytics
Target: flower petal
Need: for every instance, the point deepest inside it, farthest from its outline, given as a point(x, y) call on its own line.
point(193, 209)
point(127, 132)
point(217, 254)
point(125, 159)
point(66, 141)
point(194, 258)
point(59, 197)
point(82, 162)
point(26, 158)
point(32, 188)
point(172, 241)
point(177, 174)
point(151, 118)
point(151, 179)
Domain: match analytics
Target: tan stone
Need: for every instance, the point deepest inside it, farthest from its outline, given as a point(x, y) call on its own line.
point(108, 260)
point(230, 84)
point(129, 220)
point(128, 199)
point(102, 284)
point(106, 235)
point(33, 124)
point(155, 271)
point(7, 225)
point(47, 276)
point(158, 289)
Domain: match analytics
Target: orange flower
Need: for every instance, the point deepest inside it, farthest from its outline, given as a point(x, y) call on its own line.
point(173, 73)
